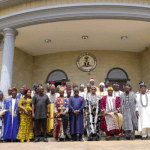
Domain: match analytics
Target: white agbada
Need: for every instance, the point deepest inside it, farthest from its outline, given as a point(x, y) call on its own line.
point(82, 94)
point(13, 105)
point(117, 93)
point(144, 112)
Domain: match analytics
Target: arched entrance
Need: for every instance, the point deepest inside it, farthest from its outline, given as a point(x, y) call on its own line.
point(57, 75)
point(117, 75)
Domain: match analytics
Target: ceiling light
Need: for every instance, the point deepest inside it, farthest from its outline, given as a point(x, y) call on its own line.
point(47, 41)
point(84, 37)
point(124, 37)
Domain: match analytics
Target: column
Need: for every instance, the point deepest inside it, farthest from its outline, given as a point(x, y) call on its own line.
point(8, 58)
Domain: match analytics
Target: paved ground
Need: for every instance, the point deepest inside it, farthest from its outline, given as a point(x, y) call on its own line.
point(100, 145)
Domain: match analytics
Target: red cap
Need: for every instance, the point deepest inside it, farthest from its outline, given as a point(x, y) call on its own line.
point(52, 82)
point(14, 90)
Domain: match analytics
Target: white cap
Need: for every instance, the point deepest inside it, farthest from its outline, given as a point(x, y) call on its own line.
point(102, 83)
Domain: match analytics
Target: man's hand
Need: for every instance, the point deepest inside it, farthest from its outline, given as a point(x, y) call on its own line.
point(104, 113)
point(64, 113)
point(47, 115)
point(26, 112)
point(29, 113)
point(33, 115)
point(137, 113)
point(76, 112)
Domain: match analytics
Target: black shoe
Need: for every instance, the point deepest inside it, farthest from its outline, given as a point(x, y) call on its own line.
point(45, 140)
point(37, 140)
point(90, 139)
point(81, 140)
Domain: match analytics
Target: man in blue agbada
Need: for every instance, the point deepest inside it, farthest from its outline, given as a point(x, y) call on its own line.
point(11, 121)
point(76, 104)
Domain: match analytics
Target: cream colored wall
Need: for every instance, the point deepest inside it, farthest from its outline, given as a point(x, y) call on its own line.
point(42, 3)
point(106, 60)
point(145, 66)
point(22, 70)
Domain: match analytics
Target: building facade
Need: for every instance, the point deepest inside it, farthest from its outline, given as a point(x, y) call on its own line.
point(42, 40)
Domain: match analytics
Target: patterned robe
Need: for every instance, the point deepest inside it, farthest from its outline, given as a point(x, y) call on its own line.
point(26, 125)
point(128, 109)
point(108, 124)
point(61, 106)
point(11, 129)
point(93, 110)
point(2, 107)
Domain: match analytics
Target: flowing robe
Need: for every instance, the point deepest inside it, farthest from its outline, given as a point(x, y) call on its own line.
point(128, 109)
point(62, 121)
point(76, 103)
point(144, 112)
point(50, 120)
point(108, 124)
point(11, 128)
point(92, 120)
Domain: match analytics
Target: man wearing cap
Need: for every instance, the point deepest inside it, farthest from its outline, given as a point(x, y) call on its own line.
point(40, 111)
point(63, 83)
point(11, 125)
point(92, 84)
point(128, 109)
point(93, 110)
point(76, 104)
point(35, 90)
point(50, 120)
point(143, 111)
point(106, 85)
point(73, 86)
point(2, 113)
point(102, 92)
point(61, 109)
point(116, 92)
point(81, 90)
point(9, 94)
point(110, 106)
point(48, 87)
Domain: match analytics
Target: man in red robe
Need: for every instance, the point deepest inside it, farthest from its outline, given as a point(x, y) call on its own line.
point(110, 106)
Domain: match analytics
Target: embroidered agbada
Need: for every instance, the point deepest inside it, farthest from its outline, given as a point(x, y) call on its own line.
point(2, 108)
point(61, 106)
point(50, 120)
point(92, 120)
point(108, 124)
point(26, 125)
point(11, 127)
point(76, 103)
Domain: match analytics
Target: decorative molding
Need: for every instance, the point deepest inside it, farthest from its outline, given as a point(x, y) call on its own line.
point(78, 11)
point(1, 42)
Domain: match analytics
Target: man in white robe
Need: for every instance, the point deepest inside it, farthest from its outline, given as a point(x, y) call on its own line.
point(143, 111)
point(82, 92)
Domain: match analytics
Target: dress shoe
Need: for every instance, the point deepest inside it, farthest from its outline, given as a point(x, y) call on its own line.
point(45, 140)
point(36, 140)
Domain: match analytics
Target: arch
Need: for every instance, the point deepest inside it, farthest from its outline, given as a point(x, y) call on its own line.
point(78, 11)
point(117, 74)
point(56, 75)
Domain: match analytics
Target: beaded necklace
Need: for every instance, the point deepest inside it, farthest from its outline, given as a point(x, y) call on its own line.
point(142, 101)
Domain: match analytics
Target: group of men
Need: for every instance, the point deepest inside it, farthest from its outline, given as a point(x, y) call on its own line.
point(68, 113)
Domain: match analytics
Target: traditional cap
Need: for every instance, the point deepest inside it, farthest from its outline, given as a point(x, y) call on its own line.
point(110, 88)
point(21, 88)
point(76, 88)
point(116, 85)
point(58, 86)
point(25, 89)
point(52, 86)
point(127, 85)
point(52, 82)
point(88, 84)
point(61, 88)
point(93, 87)
point(68, 84)
point(10, 88)
point(25, 86)
point(14, 90)
point(81, 85)
point(92, 79)
point(102, 83)
point(142, 84)
point(63, 79)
